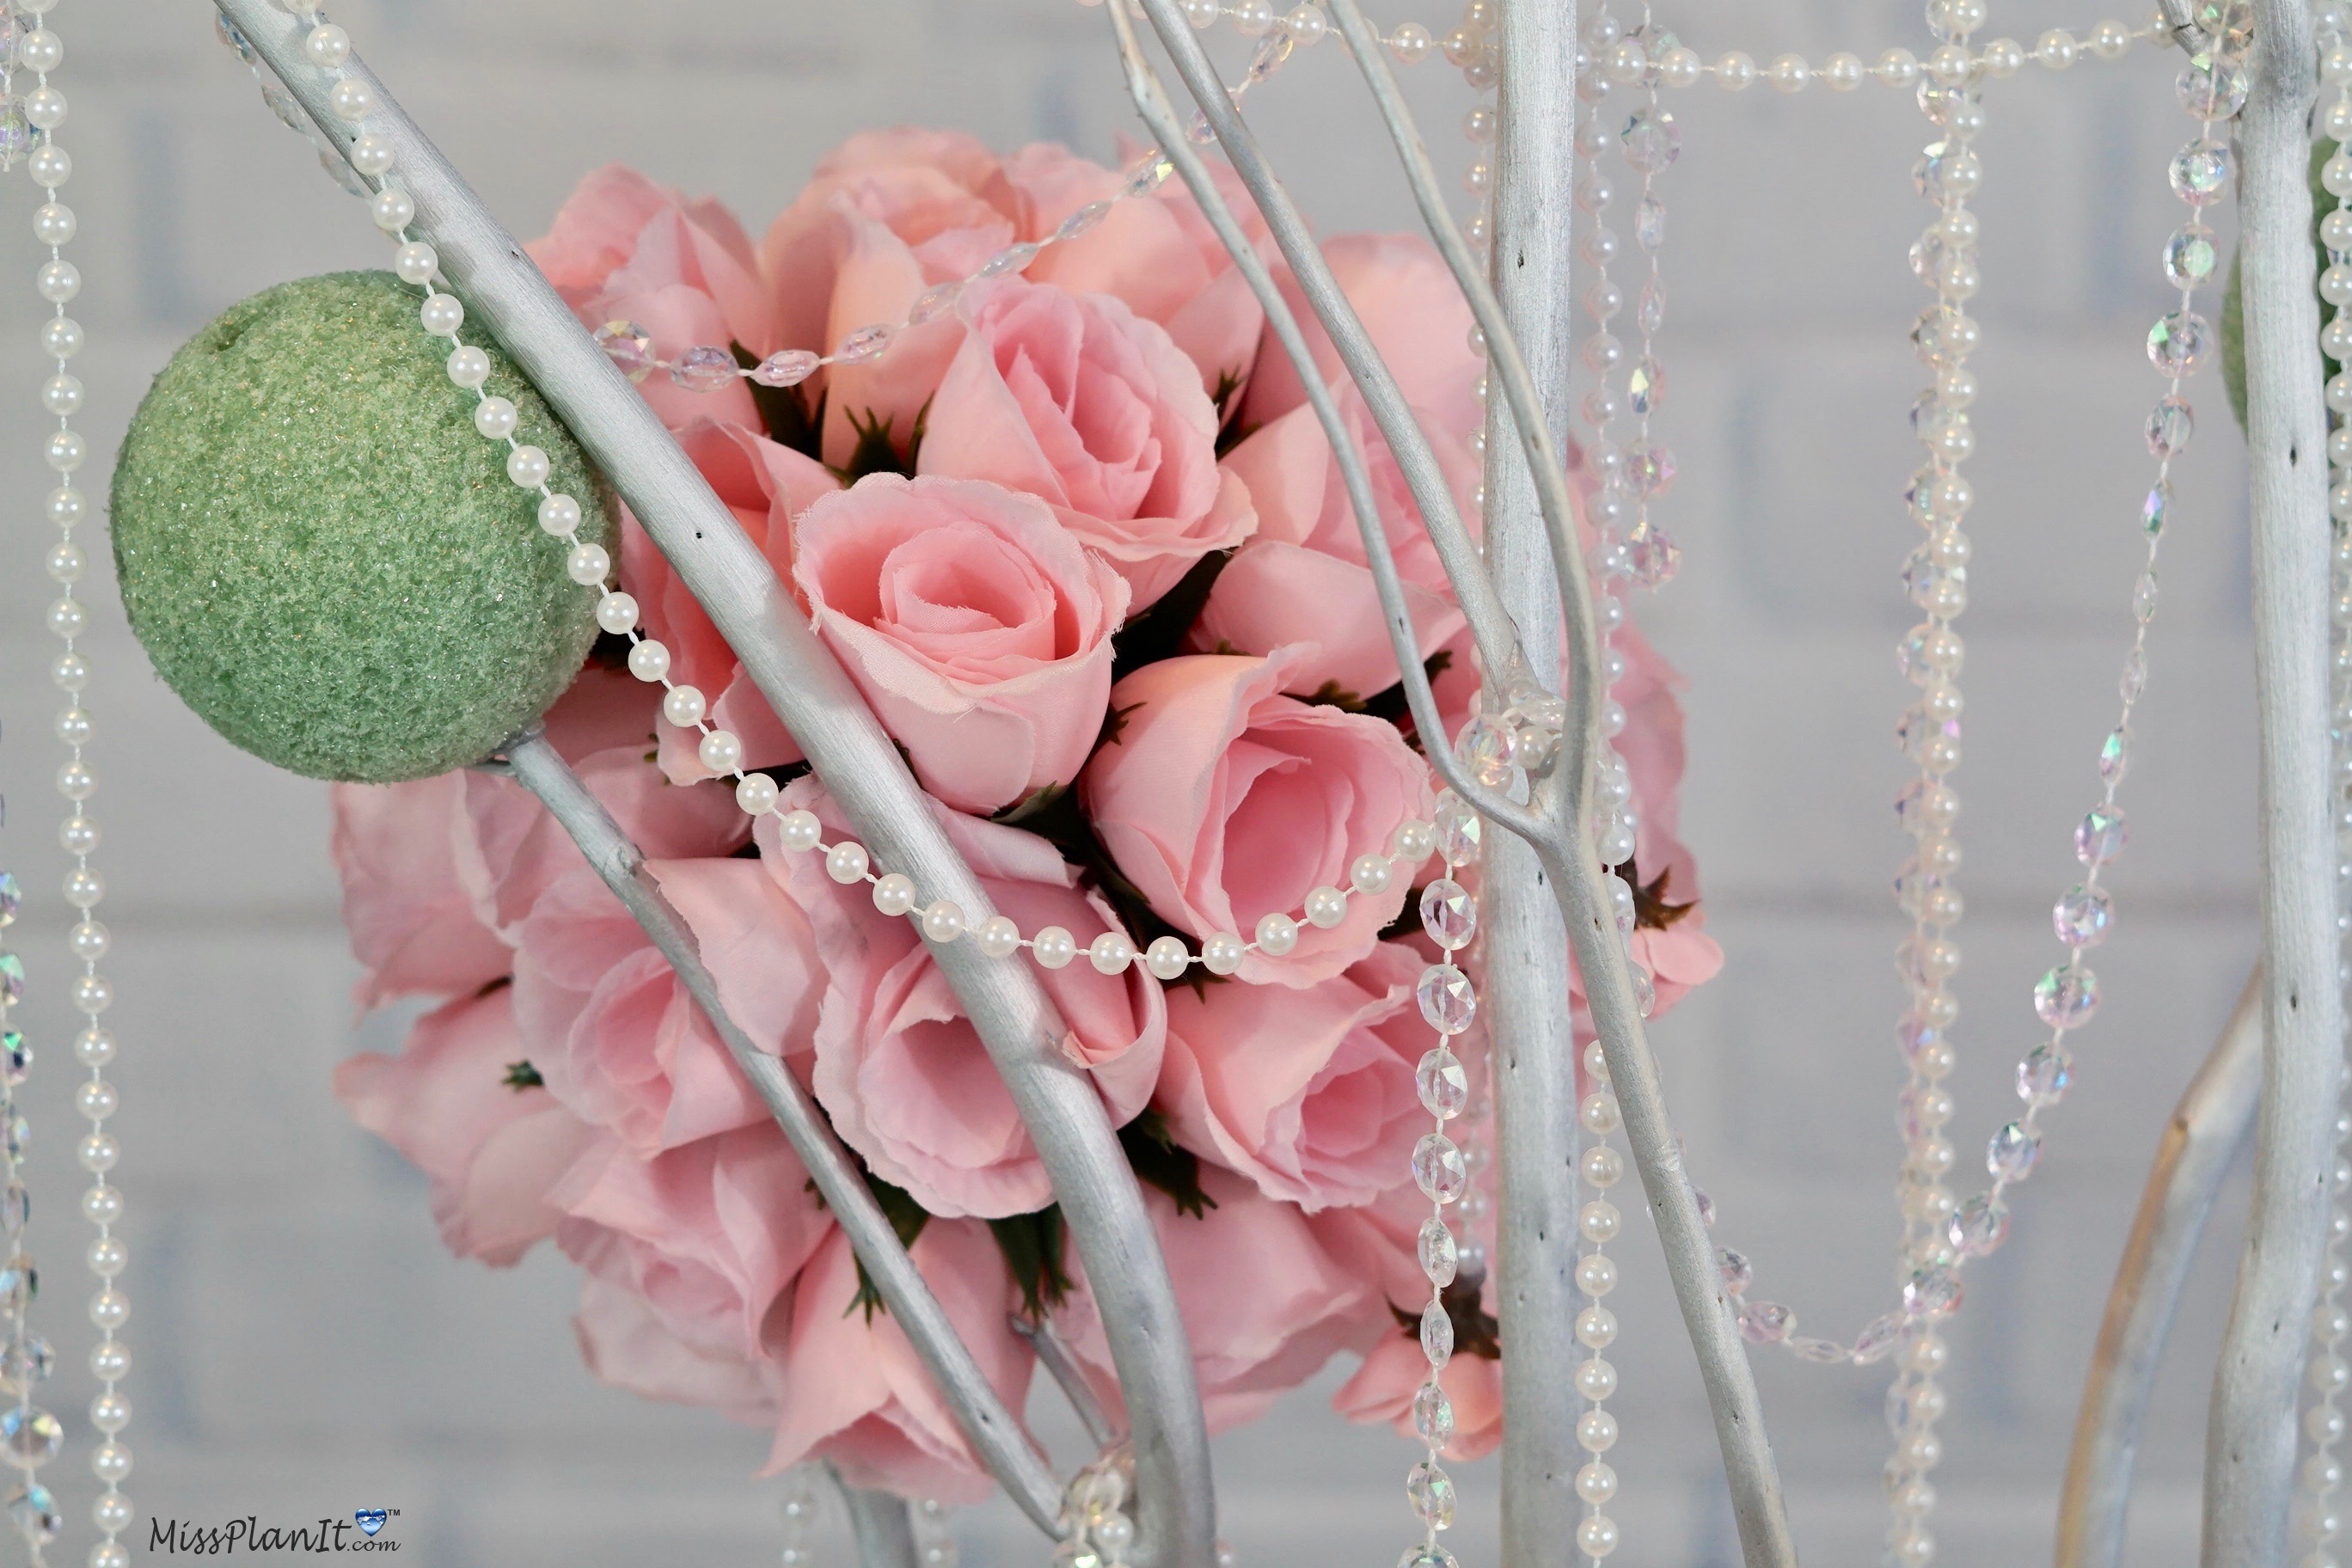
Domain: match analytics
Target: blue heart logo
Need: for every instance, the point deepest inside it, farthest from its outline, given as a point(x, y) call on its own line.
point(370, 1519)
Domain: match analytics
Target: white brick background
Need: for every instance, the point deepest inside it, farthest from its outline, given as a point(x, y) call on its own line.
point(305, 1347)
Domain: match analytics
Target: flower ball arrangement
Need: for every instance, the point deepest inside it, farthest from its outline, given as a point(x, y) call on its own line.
point(1083, 546)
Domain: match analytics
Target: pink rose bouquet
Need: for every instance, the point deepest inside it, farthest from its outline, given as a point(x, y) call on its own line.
point(1074, 532)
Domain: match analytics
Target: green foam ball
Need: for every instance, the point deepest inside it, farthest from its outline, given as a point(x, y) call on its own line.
point(325, 560)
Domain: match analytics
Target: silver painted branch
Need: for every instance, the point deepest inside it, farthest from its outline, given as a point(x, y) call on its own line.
point(736, 586)
point(1526, 1000)
point(1054, 1357)
point(1153, 107)
point(995, 1433)
point(2249, 1440)
point(884, 1525)
point(2199, 1144)
point(2179, 16)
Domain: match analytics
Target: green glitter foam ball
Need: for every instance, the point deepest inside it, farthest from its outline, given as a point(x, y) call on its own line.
point(325, 560)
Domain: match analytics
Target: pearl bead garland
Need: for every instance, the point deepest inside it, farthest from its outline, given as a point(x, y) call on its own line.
point(33, 1436)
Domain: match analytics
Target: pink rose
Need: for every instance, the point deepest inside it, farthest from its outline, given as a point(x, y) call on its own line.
point(1158, 254)
point(624, 1342)
point(1223, 800)
point(1263, 1303)
point(1382, 1390)
point(900, 1069)
point(709, 1235)
point(1307, 1091)
point(411, 878)
point(888, 215)
point(974, 624)
point(766, 486)
point(616, 1036)
point(856, 1393)
point(490, 1152)
point(624, 248)
point(1076, 399)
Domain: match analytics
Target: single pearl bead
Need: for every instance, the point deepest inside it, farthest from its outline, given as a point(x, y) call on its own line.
point(98, 1153)
point(756, 795)
point(1842, 71)
point(54, 223)
point(67, 563)
point(683, 706)
point(393, 209)
point(328, 45)
point(1223, 953)
point(1414, 842)
point(351, 99)
point(442, 314)
point(2055, 50)
point(559, 514)
point(894, 894)
point(997, 937)
point(61, 337)
point(650, 660)
point(943, 919)
point(372, 154)
point(495, 417)
point(1788, 73)
point(845, 862)
point(720, 751)
point(110, 1462)
point(1327, 907)
point(109, 1360)
point(1053, 947)
point(587, 564)
point(1110, 953)
point(101, 1204)
point(1596, 1431)
point(61, 395)
point(108, 1258)
point(799, 831)
point(90, 941)
point(1277, 935)
point(527, 466)
point(78, 834)
point(1370, 874)
point(1596, 1483)
point(1735, 72)
point(1596, 1379)
point(468, 366)
point(40, 51)
point(1597, 1536)
point(46, 107)
point(58, 281)
point(616, 612)
point(416, 261)
point(1166, 958)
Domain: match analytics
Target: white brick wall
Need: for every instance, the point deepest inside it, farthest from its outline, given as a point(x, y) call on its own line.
point(305, 1346)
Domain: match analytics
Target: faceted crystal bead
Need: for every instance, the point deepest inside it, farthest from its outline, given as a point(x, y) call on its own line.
point(35, 1511)
point(1083, 220)
point(1426, 1556)
point(1645, 387)
point(1458, 830)
point(1447, 1002)
point(1443, 1086)
point(704, 369)
point(2200, 173)
point(1650, 141)
point(16, 1209)
point(1486, 749)
point(31, 1436)
point(2177, 344)
point(1012, 259)
point(1430, 1492)
point(2065, 998)
point(2101, 836)
point(15, 1055)
point(1448, 913)
point(1650, 466)
point(1438, 1168)
point(1931, 1293)
point(2145, 594)
point(2169, 426)
point(1980, 1225)
point(2043, 1075)
point(2189, 256)
point(2114, 755)
point(16, 131)
point(23, 1366)
point(12, 978)
point(1148, 176)
point(12, 899)
point(628, 345)
point(1650, 314)
point(279, 103)
point(1436, 1335)
point(1650, 224)
point(2082, 916)
point(1825, 1351)
point(789, 368)
point(866, 344)
point(1440, 1256)
point(2012, 1151)
point(1656, 556)
point(1945, 171)
point(1433, 1414)
point(1765, 1322)
point(2154, 511)
point(2211, 87)
point(1878, 1339)
point(1738, 1274)
point(2134, 679)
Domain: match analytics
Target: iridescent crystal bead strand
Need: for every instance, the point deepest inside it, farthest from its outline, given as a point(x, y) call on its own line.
point(37, 1433)
point(1648, 142)
point(1448, 1004)
point(2327, 1369)
point(25, 1359)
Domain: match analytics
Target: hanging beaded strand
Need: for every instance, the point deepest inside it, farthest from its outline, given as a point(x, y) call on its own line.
point(1648, 142)
point(2327, 1371)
